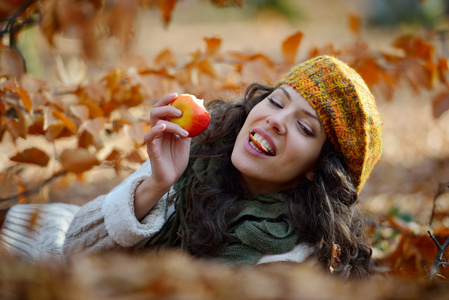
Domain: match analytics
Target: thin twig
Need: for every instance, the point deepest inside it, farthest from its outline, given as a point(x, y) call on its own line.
point(34, 190)
point(439, 258)
point(14, 104)
point(442, 188)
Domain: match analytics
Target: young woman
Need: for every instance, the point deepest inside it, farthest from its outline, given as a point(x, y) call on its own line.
point(275, 177)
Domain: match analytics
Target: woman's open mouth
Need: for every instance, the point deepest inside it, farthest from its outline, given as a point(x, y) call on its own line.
point(260, 144)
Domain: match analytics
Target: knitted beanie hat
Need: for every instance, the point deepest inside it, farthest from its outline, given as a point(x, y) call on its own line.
point(346, 108)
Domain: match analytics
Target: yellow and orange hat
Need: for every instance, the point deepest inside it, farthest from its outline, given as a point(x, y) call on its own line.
point(346, 108)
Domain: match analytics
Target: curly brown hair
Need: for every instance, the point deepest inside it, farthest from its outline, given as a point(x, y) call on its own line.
point(323, 210)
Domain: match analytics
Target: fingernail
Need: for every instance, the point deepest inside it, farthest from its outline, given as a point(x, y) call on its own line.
point(178, 112)
point(185, 132)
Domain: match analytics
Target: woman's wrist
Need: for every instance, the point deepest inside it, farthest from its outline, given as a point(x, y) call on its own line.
point(147, 194)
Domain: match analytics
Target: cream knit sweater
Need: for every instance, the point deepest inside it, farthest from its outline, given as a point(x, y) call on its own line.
point(54, 231)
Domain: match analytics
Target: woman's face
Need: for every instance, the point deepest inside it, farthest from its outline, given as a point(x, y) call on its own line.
point(279, 143)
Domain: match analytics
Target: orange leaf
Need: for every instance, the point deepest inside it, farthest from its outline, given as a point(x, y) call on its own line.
point(369, 71)
point(54, 131)
point(290, 47)
point(441, 232)
point(212, 44)
point(78, 160)
point(354, 24)
point(23, 94)
point(165, 58)
point(166, 7)
point(69, 123)
point(415, 47)
point(95, 110)
point(32, 156)
point(335, 258)
point(440, 104)
point(206, 67)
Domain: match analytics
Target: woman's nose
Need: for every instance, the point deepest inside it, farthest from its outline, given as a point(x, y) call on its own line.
point(276, 121)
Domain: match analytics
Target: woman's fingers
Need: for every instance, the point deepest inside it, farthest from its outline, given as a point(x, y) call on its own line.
point(162, 127)
point(166, 100)
point(162, 112)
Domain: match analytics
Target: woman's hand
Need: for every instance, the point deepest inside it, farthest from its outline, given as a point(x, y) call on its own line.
point(167, 143)
point(168, 148)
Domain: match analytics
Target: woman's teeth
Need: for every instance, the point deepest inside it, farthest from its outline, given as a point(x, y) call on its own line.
point(260, 144)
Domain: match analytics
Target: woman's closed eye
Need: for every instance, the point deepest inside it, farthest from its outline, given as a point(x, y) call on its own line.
point(305, 129)
point(275, 103)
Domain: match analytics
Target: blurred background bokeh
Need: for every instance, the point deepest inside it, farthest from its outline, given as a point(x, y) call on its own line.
point(416, 145)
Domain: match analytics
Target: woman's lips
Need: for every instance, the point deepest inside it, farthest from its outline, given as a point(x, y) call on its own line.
point(261, 144)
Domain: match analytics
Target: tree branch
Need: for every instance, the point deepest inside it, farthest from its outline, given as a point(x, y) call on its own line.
point(439, 258)
point(11, 20)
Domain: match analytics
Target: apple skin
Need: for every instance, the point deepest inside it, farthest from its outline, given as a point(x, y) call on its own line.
point(195, 117)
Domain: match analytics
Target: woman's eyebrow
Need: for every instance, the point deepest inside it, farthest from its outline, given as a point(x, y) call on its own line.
point(308, 113)
point(285, 92)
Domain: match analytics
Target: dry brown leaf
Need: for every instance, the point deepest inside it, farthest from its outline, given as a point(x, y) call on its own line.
point(354, 24)
point(166, 7)
point(80, 111)
point(115, 157)
point(165, 59)
point(120, 20)
point(440, 104)
point(13, 127)
point(335, 257)
point(135, 157)
point(137, 131)
point(206, 67)
point(7, 8)
point(290, 47)
point(37, 125)
point(54, 131)
point(78, 160)
point(11, 62)
point(370, 71)
point(95, 110)
point(415, 47)
point(32, 155)
point(94, 126)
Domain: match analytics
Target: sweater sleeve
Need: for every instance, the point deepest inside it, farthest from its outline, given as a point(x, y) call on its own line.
point(108, 222)
point(37, 231)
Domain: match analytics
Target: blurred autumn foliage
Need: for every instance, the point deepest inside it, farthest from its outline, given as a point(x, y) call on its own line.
point(65, 131)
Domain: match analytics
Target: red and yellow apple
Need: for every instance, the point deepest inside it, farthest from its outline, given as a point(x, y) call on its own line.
point(195, 117)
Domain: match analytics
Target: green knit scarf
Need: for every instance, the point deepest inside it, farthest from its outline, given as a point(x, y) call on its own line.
point(259, 226)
